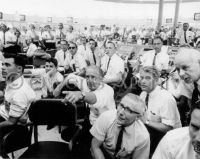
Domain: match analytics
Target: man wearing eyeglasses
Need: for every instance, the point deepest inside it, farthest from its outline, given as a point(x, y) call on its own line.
point(75, 60)
point(182, 143)
point(121, 133)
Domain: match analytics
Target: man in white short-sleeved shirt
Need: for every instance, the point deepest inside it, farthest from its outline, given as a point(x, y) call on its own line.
point(18, 94)
point(125, 126)
point(112, 65)
point(157, 57)
point(75, 61)
point(182, 143)
point(98, 95)
point(162, 111)
point(61, 55)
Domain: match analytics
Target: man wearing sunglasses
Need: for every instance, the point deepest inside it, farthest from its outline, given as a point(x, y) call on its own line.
point(182, 143)
point(75, 60)
point(121, 133)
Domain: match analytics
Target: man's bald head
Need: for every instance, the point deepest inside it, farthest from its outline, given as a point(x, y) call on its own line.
point(187, 62)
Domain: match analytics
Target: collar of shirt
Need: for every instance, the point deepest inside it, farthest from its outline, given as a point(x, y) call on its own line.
point(16, 84)
point(154, 92)
point(128, 129)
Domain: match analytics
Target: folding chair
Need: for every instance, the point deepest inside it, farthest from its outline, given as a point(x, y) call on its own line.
point(52, 112)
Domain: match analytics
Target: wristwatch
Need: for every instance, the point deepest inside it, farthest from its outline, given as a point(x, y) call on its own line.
point(82, 96)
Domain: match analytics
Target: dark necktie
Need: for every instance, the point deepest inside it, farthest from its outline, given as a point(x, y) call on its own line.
point(94, 58)
point(17, 40)
point(119, 141)
point(108, 63)
point(185, 37)
point(154, 59)
point(73, 65)
point(64, 56)
point(195, 94)
point(147, 100)
point(4, 38)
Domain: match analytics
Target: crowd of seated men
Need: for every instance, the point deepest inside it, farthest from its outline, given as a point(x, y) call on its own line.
point(155, 102)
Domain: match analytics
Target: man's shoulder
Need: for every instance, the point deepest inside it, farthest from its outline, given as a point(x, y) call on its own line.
point(108, 116)
point(140, 127)
point(177, 136)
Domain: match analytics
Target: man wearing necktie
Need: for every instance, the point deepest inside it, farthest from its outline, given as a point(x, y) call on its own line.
point(115, 132)
point(76, 62)
point(93, 56)
point(112, 65)
point(187, 63)
point(157, 57)
point(162, 111)
point(185, 36)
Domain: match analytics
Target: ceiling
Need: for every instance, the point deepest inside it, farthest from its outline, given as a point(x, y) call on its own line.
point(147, 1)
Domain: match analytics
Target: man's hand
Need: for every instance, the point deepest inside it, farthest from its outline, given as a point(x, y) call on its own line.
point(122, 153)
point(72, 96)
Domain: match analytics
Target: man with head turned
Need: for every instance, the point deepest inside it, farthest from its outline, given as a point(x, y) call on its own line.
point(121, 133)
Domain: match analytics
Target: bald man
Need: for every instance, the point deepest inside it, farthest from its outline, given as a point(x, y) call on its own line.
point(121, 133)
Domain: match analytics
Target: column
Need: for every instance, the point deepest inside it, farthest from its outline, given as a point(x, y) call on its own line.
point(160, 14)
point(176, 14)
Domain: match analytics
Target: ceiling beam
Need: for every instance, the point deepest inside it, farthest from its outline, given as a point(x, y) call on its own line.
point(147, 2)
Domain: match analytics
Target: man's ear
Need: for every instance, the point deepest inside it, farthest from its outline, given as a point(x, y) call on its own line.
point(19, 69)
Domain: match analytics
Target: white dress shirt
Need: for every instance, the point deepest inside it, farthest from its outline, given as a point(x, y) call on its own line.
point(61, 57)
point(116, 65)
point(104, 95)
point(189, 37)
point(135, 142)
point(162, 107)
point(161, 61)
point(176, 144)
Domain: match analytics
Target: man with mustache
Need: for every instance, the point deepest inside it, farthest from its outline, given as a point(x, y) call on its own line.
point(182, 143)
point(121, 133)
